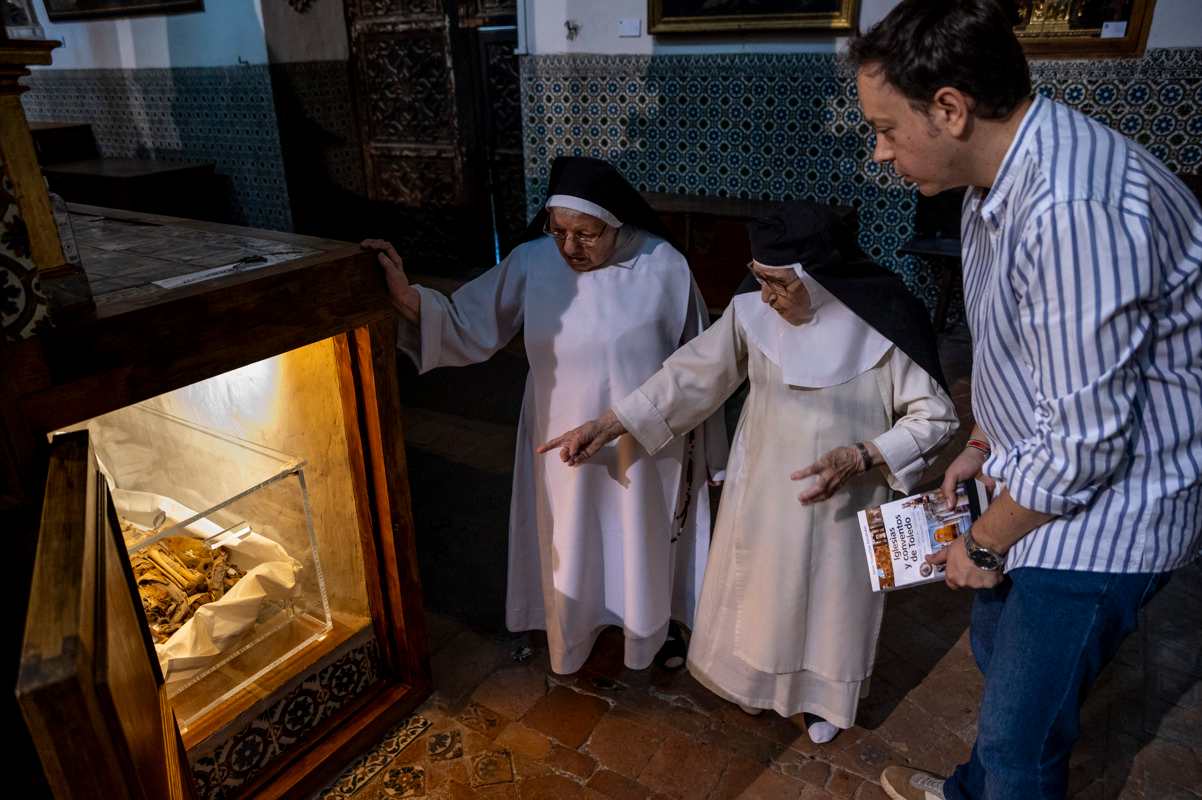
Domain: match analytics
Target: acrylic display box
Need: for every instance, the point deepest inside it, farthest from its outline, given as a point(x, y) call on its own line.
point(220, 535)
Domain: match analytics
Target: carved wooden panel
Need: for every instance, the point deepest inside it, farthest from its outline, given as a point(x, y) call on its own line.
point(504, 94)
point(510, 195)
point(487, 8)
point(418, 179)
point(381, 8)
point(419, 101)
point(407, 87)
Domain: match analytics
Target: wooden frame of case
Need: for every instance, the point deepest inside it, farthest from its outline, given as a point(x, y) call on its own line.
point(95, 365)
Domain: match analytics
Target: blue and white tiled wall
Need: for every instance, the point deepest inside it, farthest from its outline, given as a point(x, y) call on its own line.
point(220, 114)
point(770, 126)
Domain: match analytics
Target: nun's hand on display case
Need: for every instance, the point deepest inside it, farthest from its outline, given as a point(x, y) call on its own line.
point(580, 444)
point(834, 469)
point(406, 299)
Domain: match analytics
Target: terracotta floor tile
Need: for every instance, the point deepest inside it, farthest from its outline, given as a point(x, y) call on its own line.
point(525, 767)
point(582, 765)
point(866, 757)
point(623, 745)
point(490, 767)
point(500, 791)
point(684, 767)
point(663, 714)
point(519, 738)
point(512, 691)
point(463, 663)
point(619, 787)
point(871, 791)
point(555, 787)
point(566, 716)
point(843, 783)
point(442, 773)
point(481, 719)
point(749, 780)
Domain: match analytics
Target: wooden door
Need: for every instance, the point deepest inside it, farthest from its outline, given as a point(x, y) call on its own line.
point(90, 688)
point(421, 108)
point(499, 104)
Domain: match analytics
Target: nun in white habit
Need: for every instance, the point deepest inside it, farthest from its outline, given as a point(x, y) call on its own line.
point(844, 378)
point(601, 298)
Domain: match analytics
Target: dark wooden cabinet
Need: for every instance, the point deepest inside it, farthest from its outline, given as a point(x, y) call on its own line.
point(318, 332)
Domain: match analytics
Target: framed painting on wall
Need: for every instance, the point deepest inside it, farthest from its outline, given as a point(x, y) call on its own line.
point(61, 10)
point(729, 16)
point(1083, 28)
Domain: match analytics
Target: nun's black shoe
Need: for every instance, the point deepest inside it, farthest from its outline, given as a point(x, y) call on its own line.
point(676, 647)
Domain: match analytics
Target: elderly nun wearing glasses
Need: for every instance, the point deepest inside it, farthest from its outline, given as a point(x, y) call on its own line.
point(601, 298)
point(847, 396)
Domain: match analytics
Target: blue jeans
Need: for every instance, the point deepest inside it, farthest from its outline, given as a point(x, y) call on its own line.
point(1040, 639)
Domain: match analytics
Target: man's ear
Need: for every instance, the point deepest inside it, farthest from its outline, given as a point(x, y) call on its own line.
point(951, 110)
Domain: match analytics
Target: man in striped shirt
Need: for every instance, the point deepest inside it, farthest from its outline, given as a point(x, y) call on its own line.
point(1083, 286)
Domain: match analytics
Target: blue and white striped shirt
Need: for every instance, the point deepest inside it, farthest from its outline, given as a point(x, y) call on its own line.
point(1083, 285)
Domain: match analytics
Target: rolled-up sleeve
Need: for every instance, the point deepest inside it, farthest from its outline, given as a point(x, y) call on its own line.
point(692, 384)
point(925, 418)
point(1086, 274)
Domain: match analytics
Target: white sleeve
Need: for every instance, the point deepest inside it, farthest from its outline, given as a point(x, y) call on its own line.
point(692, 384)
point(472, 324)
point(925, 419)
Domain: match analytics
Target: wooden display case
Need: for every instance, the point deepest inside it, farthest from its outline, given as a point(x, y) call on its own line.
point(298, 356)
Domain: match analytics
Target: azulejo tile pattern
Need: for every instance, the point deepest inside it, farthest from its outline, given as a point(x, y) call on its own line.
point(220, 769)
point(357, 775)
point(317, 121)
point(23, 308)
point(220, 114)
point(782, 126)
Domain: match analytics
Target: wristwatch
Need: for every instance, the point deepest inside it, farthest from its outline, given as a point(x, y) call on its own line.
point(983, 557)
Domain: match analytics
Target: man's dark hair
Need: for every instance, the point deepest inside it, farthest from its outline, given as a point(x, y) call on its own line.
point(924, 45)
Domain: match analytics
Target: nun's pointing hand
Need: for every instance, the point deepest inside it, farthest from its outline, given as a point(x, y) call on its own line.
point(834, 469)
point(580, 444)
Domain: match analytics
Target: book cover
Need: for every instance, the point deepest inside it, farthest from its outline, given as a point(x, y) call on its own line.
point(899, 535)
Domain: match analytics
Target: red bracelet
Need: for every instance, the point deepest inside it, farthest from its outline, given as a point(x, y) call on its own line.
point(977, 444)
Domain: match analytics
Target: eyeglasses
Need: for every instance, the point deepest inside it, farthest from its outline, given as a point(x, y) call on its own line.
point(777, 287)
point(582, 239)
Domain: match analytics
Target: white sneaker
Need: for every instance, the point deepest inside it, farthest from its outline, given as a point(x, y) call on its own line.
point(821, 731)
point(903, 783)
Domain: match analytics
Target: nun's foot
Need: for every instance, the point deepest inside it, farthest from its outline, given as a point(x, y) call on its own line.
point(749, 710)
point(820, 730)
point(675, 649)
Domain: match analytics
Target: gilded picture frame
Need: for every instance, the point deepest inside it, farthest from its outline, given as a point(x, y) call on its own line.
point(733, 16)
point(68, 10)
point(1083, 28)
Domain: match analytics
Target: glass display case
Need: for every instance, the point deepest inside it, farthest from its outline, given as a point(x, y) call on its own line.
point(237, 508)
point(207, 484)
point(220, 537)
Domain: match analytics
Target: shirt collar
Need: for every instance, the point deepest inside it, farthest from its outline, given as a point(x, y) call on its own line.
point(990, 205)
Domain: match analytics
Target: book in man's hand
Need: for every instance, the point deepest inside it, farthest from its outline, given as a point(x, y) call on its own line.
point(898, 536)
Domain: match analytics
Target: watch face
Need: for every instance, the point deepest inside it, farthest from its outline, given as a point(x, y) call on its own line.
point(984, 559)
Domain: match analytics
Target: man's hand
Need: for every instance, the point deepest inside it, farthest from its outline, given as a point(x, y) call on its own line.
point(406, 299)
point(580, 444)
point(833, 470)
point(966, 467)
point(960, 572)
